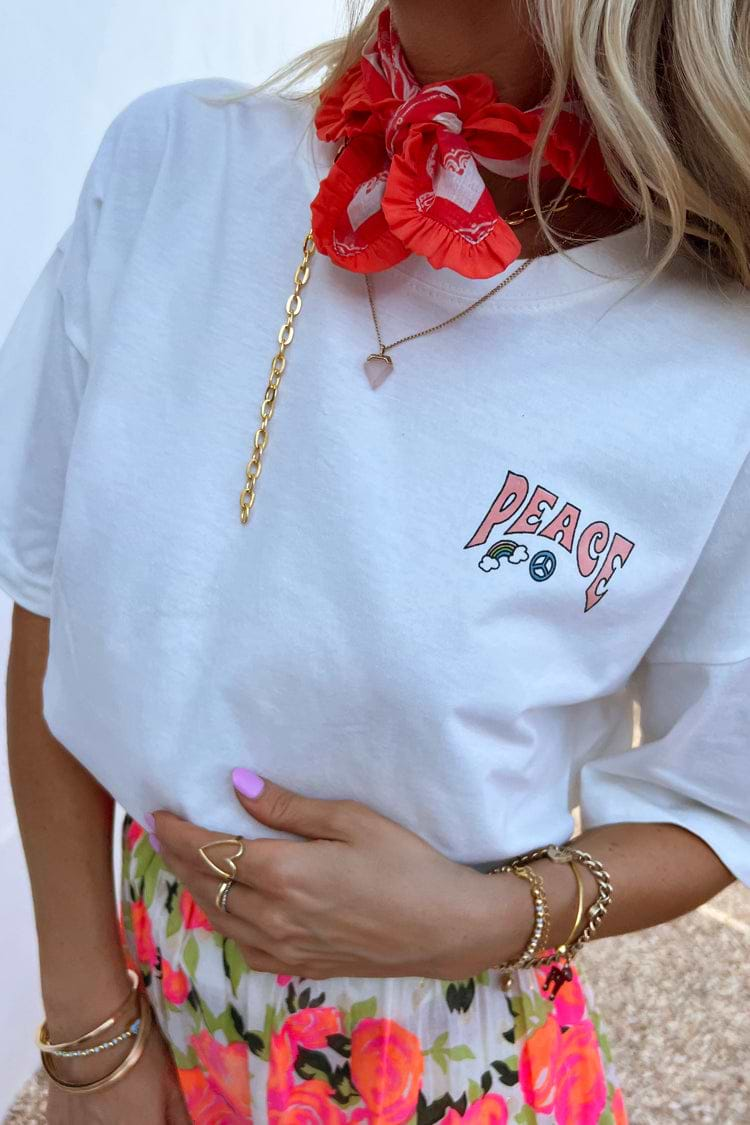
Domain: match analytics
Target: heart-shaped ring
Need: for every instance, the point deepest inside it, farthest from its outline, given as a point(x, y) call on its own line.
point(239, 845)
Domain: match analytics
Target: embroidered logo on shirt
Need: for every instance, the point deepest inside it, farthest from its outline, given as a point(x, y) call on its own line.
point(598, 553)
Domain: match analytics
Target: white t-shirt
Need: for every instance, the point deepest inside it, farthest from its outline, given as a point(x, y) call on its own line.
point(452, 589)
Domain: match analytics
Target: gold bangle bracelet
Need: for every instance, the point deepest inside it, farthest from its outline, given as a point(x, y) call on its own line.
point(579, 912)
point(42, 1035)
point(120, 1070)
point(595, 914)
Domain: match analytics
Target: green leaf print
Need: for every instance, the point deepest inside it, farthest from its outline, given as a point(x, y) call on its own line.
point(457, 1054)
point(507, 1075)
point(607, 1118)
point(483, 977)
point(237, 1020)
point(530, 1010)
point(345, 1093)
point(149, 884)
point(486, 1081)
point(174, 923)
point(601, 1035)
point(271, 1023)
point(360, 1010)
point(313, 1064)
point(190, 956)
point(440, 1059)
point(474, 1091)
point(143, 855)
point(341, 1044)
point(223, 1022)
point(235, 965)
point(441, 1053)
point(526, 1116)
point(430, 1113)
point(185, 1060)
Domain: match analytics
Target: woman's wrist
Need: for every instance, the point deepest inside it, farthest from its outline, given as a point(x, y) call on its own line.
point(85, 996)
point(504, 912)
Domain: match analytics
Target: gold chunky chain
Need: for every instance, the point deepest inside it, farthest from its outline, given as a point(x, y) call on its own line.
point(278, 366)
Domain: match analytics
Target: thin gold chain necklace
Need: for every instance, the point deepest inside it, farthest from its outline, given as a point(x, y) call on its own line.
point(383, 360)
point(378, 365)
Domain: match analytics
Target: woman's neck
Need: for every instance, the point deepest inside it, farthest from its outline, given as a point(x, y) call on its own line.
point(447, 38)
point(444, 39)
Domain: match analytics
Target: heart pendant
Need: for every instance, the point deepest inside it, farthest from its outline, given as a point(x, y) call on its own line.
point(239, 847)
point(378, 367)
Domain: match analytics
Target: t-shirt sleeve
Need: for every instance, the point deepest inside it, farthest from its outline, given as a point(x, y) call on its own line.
point(44, 365)
point(692, 688)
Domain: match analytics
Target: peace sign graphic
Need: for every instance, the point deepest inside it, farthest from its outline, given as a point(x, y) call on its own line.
point(542, 566)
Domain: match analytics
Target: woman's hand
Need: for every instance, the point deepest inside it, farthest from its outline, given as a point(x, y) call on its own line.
point(149, 1094)
point(361, 897)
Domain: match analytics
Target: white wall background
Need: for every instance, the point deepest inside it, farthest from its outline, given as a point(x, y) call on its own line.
point(68, 66)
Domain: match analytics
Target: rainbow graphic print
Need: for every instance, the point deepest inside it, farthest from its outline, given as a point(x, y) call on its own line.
point(508, 549)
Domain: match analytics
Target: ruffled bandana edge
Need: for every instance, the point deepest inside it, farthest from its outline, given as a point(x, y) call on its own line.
point(407, 180)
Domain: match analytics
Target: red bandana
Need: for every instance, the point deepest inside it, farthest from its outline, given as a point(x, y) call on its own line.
point(407, 180)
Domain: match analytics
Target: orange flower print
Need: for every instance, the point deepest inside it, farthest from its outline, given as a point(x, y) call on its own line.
point(492, 1109)
point(538, 1065)
point(281, 1057)
point(144, 941)
point(581, 1093)
point(174, 983)
point(618, 1108)
point(204, 1103)
point(228, 1074)
point(311, 1103)
point(311, 1027)
point(570, 1001)
point(386, 1068)
point(193, 917)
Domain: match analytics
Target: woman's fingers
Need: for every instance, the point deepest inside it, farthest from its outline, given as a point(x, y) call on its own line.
point(262, 863)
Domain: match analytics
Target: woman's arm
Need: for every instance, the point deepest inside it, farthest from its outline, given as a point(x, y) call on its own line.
point(363, 896)
point(658, 872)
point(65, 819)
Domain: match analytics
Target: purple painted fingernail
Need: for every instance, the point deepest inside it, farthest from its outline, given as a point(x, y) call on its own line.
point(246, 782)
point(154, 842)
point(149, 822)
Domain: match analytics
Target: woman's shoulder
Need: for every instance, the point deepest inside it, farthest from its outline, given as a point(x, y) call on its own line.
point(190, 123)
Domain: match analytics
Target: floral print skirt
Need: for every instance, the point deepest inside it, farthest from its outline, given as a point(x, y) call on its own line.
point(255, 1047)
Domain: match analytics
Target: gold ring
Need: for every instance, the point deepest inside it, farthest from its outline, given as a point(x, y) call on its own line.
point(222, 895)
point(239, 845)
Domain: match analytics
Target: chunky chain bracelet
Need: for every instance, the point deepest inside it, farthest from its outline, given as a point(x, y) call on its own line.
point(595, 913)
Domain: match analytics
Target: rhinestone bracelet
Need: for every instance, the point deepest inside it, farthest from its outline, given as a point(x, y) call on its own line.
point(539, 934)
point(130, 1033)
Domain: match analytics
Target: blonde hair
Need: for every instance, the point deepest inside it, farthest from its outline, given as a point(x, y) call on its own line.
point(667, 86)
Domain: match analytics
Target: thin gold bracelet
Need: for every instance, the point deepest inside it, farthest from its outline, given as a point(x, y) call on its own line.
point(579, 912)
point(120, 1070)
point(42, 1035)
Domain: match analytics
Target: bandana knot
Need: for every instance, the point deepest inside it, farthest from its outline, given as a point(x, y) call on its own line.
point(407, 179)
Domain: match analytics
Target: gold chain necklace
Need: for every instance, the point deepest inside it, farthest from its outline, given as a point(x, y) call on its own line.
point(378, 365)
point(376, 359)
point(278, 367)
point(286, 335)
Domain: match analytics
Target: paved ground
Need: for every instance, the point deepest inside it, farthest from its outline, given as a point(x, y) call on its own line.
point(677, 1001)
